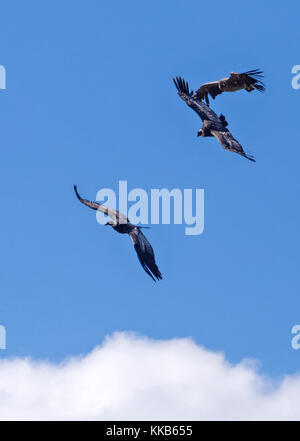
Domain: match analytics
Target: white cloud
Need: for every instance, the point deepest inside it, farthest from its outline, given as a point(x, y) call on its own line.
point(134, 378)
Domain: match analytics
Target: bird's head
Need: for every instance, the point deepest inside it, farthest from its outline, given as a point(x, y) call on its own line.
point(200, 132)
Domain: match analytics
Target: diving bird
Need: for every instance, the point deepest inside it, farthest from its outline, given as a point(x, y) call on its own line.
point(213, 125)
point(249, 81)
point(122, 225)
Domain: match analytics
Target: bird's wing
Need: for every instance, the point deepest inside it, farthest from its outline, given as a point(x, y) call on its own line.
point(198, 106)
point(250, 78)
point(212, 88)
point(114, 214)
point(254, 78)
point(229, 143)
point(145, 253)
point(234, 80)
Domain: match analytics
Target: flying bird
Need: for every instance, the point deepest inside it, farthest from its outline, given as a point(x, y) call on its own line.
point(122, 225)
point(249, 81)
point(213, 125)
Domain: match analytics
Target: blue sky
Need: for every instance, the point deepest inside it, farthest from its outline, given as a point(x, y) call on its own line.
point(90, 100)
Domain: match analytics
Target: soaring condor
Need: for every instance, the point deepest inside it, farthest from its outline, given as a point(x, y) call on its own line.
point(213, 125)
point(249, 81)
point(122, 225)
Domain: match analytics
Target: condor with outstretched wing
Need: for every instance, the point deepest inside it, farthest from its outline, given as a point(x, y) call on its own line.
point(251, 80)
point(213, 125)
point(122, 225)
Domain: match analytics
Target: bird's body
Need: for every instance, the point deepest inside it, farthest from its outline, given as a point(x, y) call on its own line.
point(122, 225)
point(123, 228)
point(213, 125)
point(248, 81)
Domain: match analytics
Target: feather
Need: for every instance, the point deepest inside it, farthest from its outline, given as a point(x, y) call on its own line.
point(229, 143)
point(204, 111)
point(114, 214)
point(145, 253)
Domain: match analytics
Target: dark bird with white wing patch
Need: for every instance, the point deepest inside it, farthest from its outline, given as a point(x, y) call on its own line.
point(213, 125)
point(122, 225)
